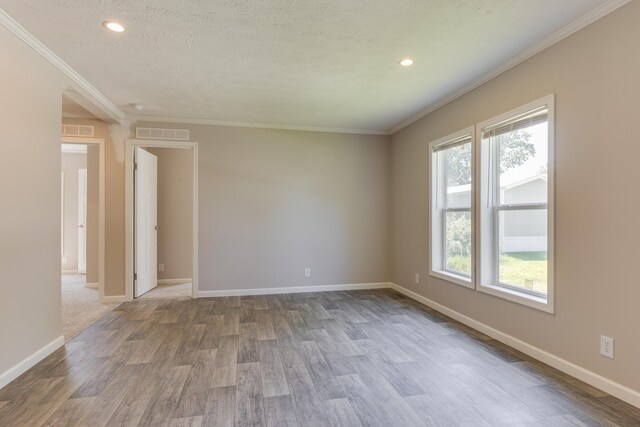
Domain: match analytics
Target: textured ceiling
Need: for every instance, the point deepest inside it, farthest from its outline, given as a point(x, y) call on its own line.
point(315, 63)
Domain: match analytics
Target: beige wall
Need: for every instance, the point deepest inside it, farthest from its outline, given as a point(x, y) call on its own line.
point(310, 199)
point(114, 272)
point(30, 90)
point(273, 202)
point(71, 164)
point(288, 155)
point(595, 76)
point(175, 212)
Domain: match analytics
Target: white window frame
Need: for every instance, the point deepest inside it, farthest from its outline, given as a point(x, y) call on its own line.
point(486, 238)
point(436, 222)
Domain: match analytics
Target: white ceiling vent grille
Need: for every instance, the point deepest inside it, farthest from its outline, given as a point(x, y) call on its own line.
point(77, 130)
point(157, 133)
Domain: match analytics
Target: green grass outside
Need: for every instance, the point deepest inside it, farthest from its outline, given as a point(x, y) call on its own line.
point(525, 269)
point(522, 269)
point(459, 264)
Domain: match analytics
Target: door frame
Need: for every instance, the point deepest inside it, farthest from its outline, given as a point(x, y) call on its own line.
point(130, 145)
point(100, 143)
point(82, 180)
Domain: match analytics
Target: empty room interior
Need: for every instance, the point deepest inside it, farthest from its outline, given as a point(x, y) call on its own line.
point(327, 213)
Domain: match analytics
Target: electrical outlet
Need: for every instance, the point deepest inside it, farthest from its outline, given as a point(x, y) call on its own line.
point(160, 267)
point(417, 278)
point(65, 260)
point(307, 272)
point(606, 346)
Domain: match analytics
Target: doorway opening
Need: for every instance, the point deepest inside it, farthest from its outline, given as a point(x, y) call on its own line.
point(82, 233)
point(161, 219)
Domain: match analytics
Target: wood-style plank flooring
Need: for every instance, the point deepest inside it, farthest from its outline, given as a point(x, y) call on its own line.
point(358, 358)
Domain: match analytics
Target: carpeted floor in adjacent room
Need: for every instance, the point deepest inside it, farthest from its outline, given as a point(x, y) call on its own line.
point(81, 306)
point(173, 290)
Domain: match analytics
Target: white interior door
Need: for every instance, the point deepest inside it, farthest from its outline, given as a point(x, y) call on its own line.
point(82, 221)
point(146, 220)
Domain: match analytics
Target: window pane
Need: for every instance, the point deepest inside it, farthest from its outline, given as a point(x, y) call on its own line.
point(523, 160)
point(457, 172)
point(523, 249)
point(458, 242)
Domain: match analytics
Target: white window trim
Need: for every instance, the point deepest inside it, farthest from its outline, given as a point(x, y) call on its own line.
point(483, 284)
point(467, 282)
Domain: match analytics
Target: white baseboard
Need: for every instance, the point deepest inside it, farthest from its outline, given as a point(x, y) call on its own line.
point(292, 289)
point(95, 285)
point(613, 388)
point(22, 367)
point(172, 281)
point(114, 298)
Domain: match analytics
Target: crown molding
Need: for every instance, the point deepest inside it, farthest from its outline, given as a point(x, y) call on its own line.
point(66, 115)
point(558, 35)
point(183, 120)
point(80, 83)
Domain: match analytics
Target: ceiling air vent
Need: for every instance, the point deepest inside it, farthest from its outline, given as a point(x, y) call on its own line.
point(77, 130)
point(157, 133)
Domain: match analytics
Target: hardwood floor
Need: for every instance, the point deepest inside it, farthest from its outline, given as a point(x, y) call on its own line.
point(335, 358)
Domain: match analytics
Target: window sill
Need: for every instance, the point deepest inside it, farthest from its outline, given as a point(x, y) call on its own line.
point(453, 278)
point(513, 295)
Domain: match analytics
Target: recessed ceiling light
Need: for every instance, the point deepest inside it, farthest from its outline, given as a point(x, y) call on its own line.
point(113, 26)
point(406, 62)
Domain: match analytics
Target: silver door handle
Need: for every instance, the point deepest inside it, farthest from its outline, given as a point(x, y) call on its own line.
point(157, 228)
point(81, 226)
